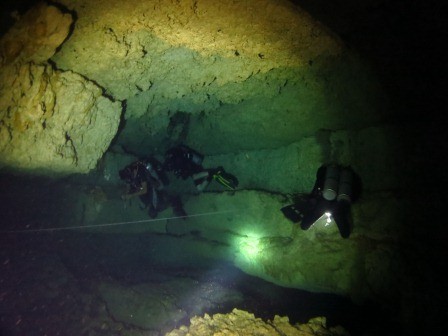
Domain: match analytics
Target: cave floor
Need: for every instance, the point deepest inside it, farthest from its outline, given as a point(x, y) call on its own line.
point(75, 283)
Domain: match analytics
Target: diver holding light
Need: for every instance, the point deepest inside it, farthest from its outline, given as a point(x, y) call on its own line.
point(335, 190)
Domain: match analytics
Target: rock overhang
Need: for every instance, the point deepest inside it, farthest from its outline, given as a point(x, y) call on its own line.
point(264, 73)
point(243, 76)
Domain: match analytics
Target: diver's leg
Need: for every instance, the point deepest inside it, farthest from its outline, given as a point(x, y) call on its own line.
point(176, 204)
point(342, 218)
point(152, 212)
point(201, 180)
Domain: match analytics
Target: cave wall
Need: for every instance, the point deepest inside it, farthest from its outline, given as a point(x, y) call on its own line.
point(52, 121)
point(196, 72)
point(269, 93)
point(182, 72)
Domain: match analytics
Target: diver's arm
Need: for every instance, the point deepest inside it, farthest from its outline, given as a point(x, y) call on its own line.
point(143, 190)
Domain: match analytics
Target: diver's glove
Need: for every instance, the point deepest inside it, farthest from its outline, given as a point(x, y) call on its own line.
point(227, 180)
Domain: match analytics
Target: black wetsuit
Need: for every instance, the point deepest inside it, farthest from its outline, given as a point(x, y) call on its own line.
point(183, 161)
point(311, 207)
point(150, 199)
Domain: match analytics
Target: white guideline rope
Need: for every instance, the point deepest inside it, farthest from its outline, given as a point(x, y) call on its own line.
point(116, 224)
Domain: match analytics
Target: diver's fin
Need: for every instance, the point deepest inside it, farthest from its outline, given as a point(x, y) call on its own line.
point(292, 213)
point(227, 180)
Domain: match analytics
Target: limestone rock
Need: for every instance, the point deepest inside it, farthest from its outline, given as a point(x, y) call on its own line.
point(35, 36)
point(50, 121)
point(158, 306)
point(159, 34)
point(247, 229)
point(287, 169)
point(242, 74)
point(240, 322)
point(153, 312)
point(292, 168)
point(53, 121)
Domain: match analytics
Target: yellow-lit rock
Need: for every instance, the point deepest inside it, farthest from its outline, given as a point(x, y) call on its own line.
point(36, 36)
point(222, 76)
point(240, 322)
point(51, 121)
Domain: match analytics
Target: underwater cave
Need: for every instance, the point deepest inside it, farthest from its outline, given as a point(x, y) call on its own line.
point(263, 94)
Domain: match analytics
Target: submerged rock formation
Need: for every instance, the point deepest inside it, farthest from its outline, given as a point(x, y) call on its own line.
point(240, 322)
point(220, 76)
point(51, 121)
point(161, 306)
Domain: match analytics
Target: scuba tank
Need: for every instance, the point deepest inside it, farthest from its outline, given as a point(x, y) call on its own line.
point(331, 182)
point(154, 169)
point(193, 156)
point(345, 192)
point(151, 169)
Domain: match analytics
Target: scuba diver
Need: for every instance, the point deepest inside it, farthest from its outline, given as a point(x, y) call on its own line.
point(335, 189)
point(185, 162)
point(146, 179)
